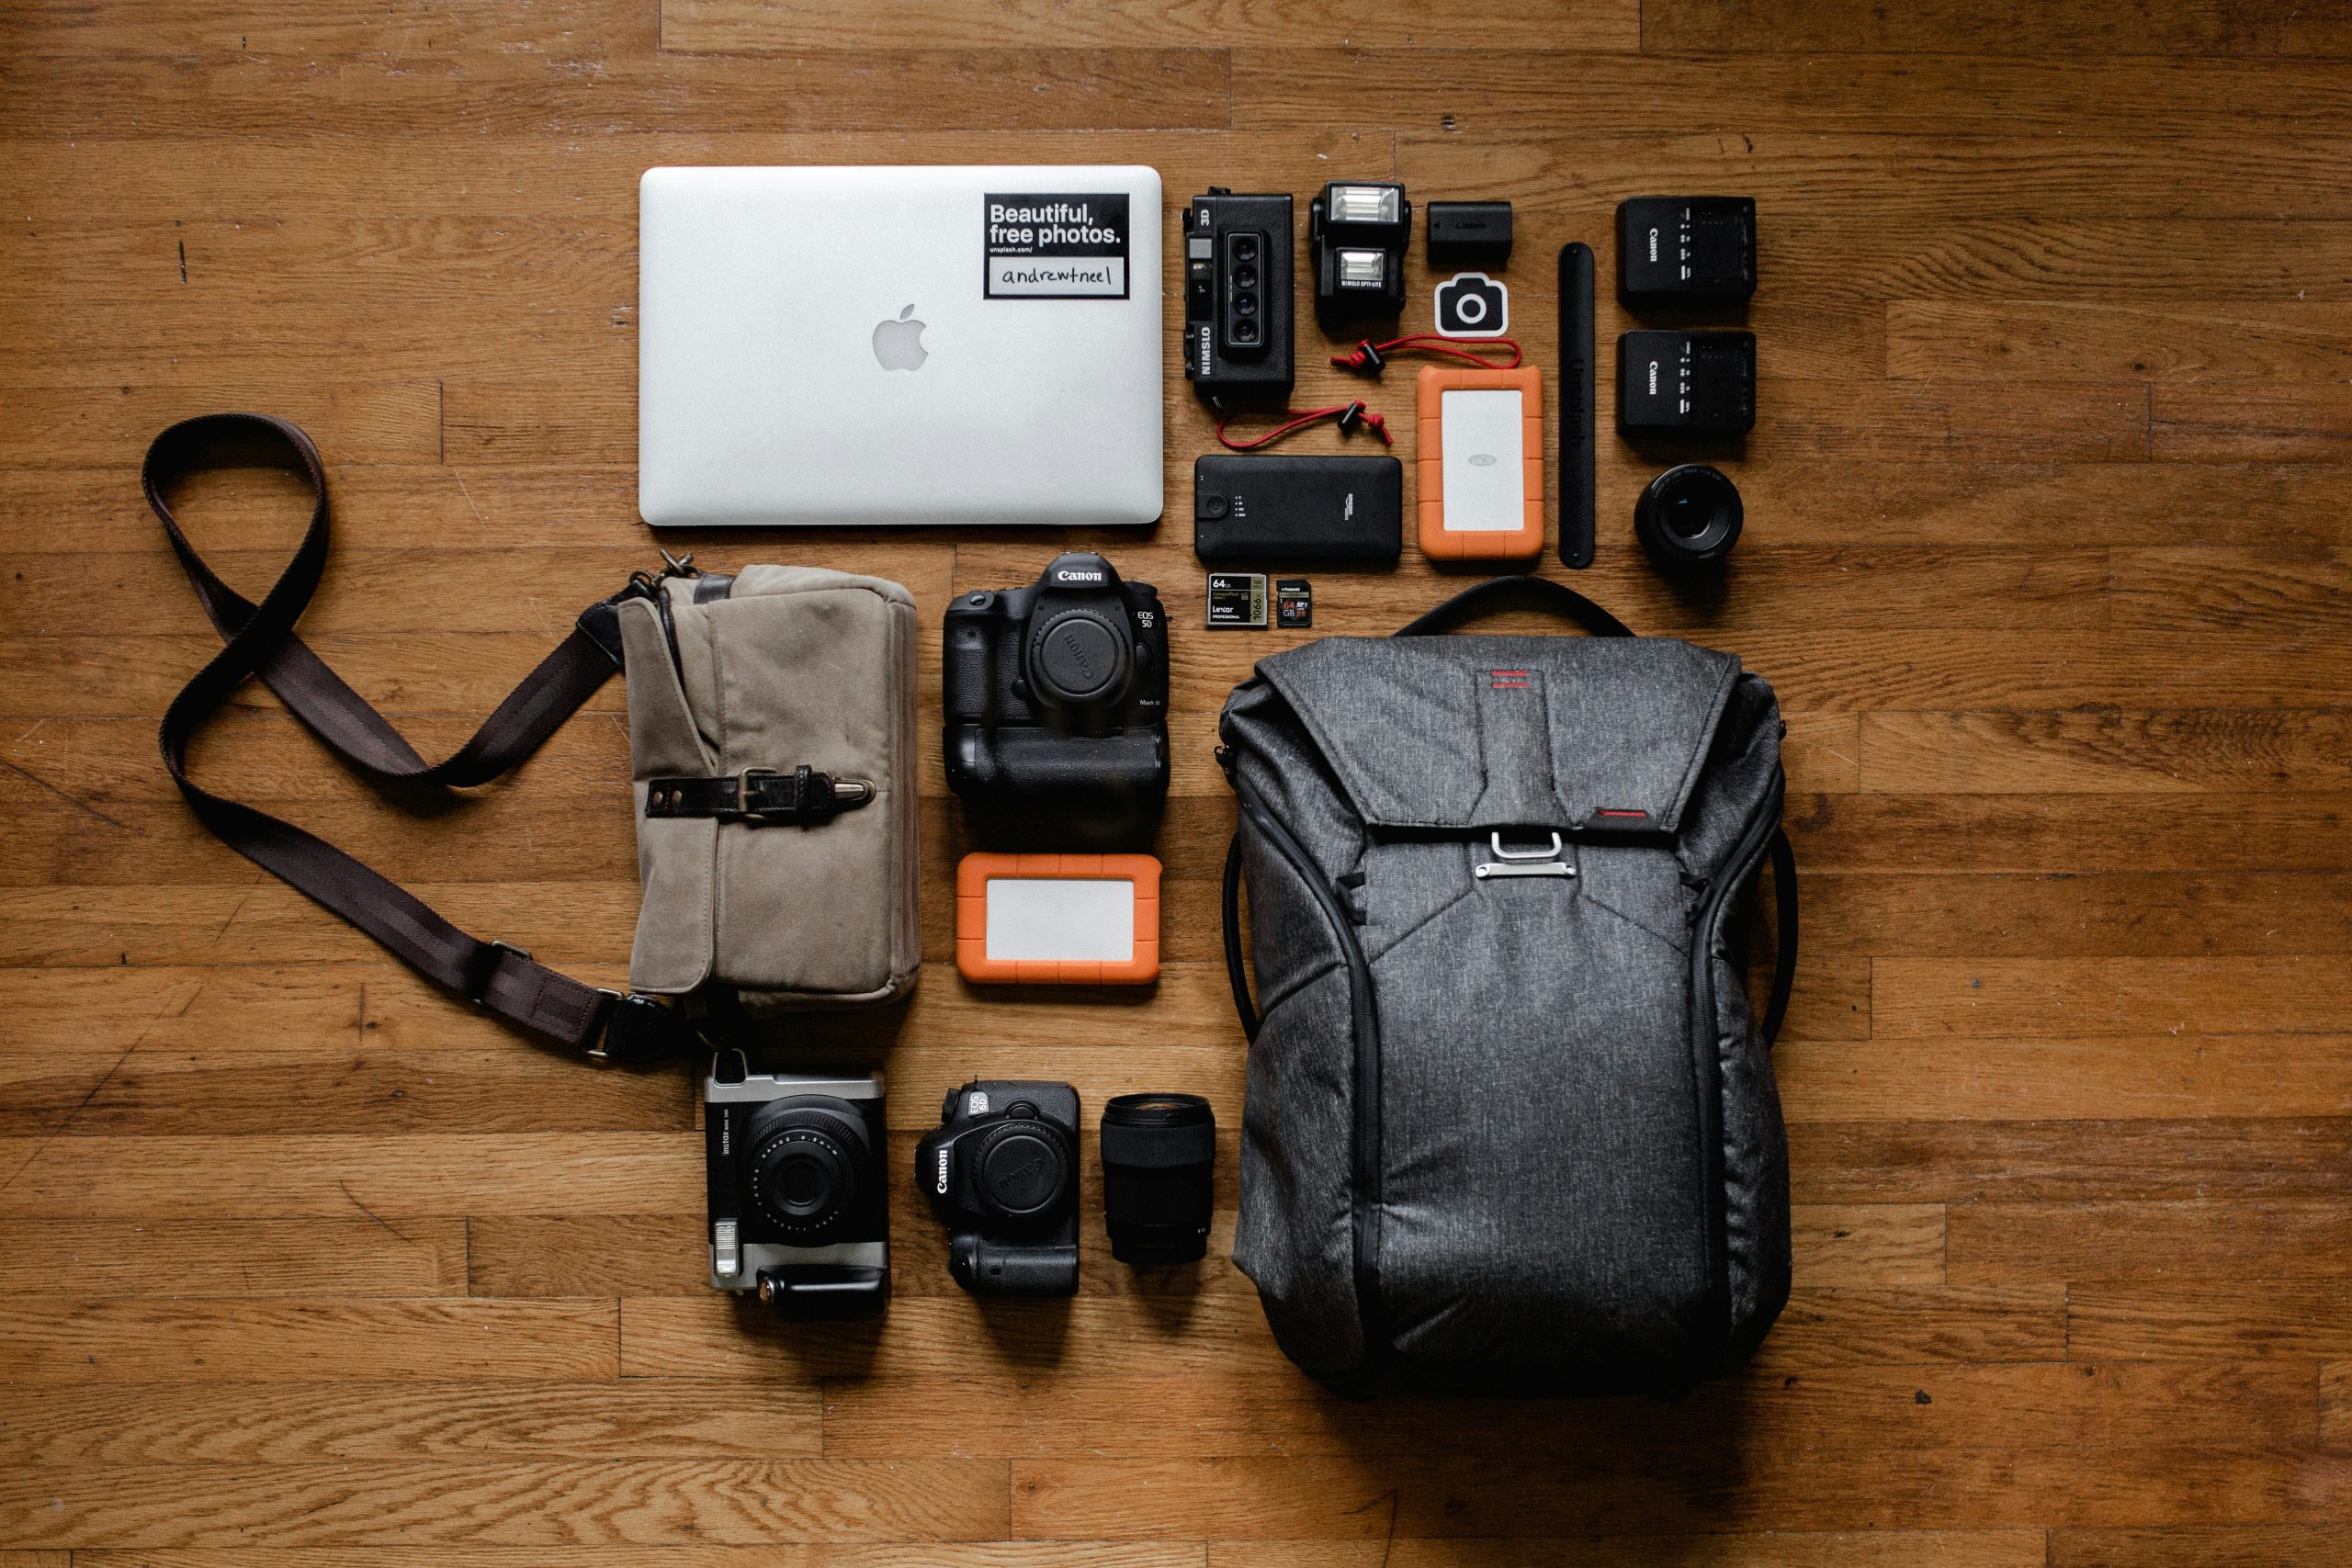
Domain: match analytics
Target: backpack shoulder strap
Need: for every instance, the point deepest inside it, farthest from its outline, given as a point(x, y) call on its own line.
point(259, 640)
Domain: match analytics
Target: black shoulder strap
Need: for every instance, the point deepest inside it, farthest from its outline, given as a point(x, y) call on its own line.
point(1234, 972)
point(1785, 934)
point(1520, 592)
point(260, 640)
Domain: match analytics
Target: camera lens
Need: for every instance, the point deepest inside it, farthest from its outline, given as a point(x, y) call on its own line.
point(1689, 517)
point(1159, 1165)
point(1245, 332)
point(1245, 247)
point(1245, 304)
point(1245, 278)
point(803, 1173)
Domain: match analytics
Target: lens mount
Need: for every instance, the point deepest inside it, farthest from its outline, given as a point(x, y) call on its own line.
point(1021, 1169)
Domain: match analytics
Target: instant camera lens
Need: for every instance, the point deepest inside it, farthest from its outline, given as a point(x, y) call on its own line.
point(1687, 517)
point(1158, 1160)
point(803, 1172)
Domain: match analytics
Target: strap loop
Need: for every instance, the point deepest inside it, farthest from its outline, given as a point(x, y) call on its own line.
point(258, 639)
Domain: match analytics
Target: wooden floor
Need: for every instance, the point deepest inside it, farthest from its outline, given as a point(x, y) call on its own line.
point(302, 1264)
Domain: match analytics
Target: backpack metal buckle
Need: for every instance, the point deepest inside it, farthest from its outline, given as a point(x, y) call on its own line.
point(1523, 863)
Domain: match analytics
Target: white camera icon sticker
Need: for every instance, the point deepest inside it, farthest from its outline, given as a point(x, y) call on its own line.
point(1472, 305)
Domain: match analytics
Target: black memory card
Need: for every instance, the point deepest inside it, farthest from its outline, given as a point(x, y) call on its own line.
point(1238, 600)
point(1294, 603)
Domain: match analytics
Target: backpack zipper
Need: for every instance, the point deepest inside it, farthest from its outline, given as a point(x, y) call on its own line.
point(1743, 862)
point(1364, 1185)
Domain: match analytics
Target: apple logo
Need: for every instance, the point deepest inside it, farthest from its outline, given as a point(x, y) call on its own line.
point(897, 345)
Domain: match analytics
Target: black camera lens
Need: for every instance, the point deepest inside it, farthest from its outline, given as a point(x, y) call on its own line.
point(1159, 1165)
point(1245, 247)
point(802, 1175)
point(1245, 332)
point(1688, 516)
point(1245, 304)
point(1245, 278)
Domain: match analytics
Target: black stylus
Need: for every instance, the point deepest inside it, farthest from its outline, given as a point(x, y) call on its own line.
point(1575, 404)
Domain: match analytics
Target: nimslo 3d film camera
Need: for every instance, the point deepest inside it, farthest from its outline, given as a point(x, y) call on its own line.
point(1237, 295)
point(1057, 703)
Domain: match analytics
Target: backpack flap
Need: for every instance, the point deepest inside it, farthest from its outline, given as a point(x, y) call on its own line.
point(1477, 733)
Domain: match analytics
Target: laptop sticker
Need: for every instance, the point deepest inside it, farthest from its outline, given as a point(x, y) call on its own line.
point(1049, 245)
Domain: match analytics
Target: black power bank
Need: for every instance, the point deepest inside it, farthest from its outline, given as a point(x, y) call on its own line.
point(1250, 509)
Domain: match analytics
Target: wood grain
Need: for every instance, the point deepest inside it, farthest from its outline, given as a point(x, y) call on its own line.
point(303, 1265)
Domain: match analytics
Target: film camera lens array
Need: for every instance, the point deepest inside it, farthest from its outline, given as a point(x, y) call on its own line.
point(1054, 695)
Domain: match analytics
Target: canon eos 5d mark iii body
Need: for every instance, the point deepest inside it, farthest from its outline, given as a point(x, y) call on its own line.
point(1056, 702)
point(1002, 1174)
point(798, 1208)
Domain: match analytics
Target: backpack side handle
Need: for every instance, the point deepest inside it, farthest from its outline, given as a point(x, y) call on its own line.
point(1524, 592)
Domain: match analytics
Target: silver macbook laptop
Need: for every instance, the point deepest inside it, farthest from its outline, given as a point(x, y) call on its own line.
point(888, 345)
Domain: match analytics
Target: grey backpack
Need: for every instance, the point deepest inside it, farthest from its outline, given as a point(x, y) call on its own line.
point(1510, 1122)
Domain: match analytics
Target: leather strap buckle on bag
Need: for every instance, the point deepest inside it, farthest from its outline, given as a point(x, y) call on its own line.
point(759, 796)
point(639, 1028)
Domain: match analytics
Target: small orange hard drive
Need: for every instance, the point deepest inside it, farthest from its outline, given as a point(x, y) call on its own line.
point(1481, 463)
point(1057, 919)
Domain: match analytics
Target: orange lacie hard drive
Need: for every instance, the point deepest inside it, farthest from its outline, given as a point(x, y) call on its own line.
point(1481, 464)
point(1057, 919)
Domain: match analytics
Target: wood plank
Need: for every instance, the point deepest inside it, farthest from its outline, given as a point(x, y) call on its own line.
point(393, 1177)
point(2232, 1240)
point(335, 26)
point(767, 1554)
point(1525, 91)
point(508, 93)
point(2193, 1319)
point(1078, 1414)
point(2159, 1076)
point(235, 1258)
point(2219, 422)
point(668, 1255)
point(442, 173)
point(710, 1335)
point(2020, 192)
point(1926, 996)
point(1666, 1492)
point(1778, 1549)
point(2070, 915)
point(1834, 670)
point(2205, 1546)
point(1868, 1243)
point(60, 1339)
point(2227, 591)
point(1912, 1325)
point(794, 25)
point(514, 1085)
point(2162, 751)
point(2258, 30)
point(2283, 340)
point(396, 422)
point(626, 1502)
point(69, 1426)
point(2237, 830)
point(509, 421)
point(1986, 1161)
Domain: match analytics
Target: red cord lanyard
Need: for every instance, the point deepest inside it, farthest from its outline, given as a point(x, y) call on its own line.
point(1371, 356)
point(1348, 415)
